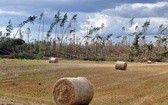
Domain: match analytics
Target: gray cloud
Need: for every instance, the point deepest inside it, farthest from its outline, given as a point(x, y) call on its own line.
point(65, 5)
point(140, 10)
point(116, 12)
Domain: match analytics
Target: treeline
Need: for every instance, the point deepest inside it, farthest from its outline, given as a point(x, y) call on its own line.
point(62, 40)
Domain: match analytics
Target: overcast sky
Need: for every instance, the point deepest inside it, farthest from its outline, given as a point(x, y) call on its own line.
point(113, 13)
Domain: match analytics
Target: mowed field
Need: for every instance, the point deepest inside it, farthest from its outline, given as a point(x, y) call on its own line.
point(30, 82)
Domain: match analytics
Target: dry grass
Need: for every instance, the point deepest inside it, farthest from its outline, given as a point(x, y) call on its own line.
point(30, 82)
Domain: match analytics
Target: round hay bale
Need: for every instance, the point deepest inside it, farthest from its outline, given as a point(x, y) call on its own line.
point(149, 62)
point(73, 91)
point(53, 60)
point(120, 65)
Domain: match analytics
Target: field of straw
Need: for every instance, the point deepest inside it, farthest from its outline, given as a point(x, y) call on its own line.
point(30, 82)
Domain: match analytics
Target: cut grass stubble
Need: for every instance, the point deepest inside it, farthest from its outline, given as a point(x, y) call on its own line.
point(33, 81)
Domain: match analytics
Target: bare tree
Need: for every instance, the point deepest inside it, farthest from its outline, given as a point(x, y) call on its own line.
point(22, 24)
point(9, 29)
point(28, 33)
point(144, 31)
point(57, 19)
point(69, 27)
point(41, 18)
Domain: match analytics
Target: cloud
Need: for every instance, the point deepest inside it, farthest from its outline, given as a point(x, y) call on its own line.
point(113, 13)
point(133, 28)
point(140, 10)
point(11, 12)
point(96, 20)
point(87, 6)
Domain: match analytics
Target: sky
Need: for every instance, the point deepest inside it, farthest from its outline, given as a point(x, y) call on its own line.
point(113, 13)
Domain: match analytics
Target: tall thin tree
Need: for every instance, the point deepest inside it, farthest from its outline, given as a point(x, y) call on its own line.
point(57, 19)
point(22, 24)
point(9, 29)
point(40, 20)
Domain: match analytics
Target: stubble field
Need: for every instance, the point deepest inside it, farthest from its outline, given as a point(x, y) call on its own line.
point(30, 82)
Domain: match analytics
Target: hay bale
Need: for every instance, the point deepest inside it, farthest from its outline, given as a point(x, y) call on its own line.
point(73, 91)
point(53, 60)
point(120, 65)
point(149, 62)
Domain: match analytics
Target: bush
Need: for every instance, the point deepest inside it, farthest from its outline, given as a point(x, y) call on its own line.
point(8, 45)
point(157, 58)
point(94, 58)
point(24, 55)
point(40, 56)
